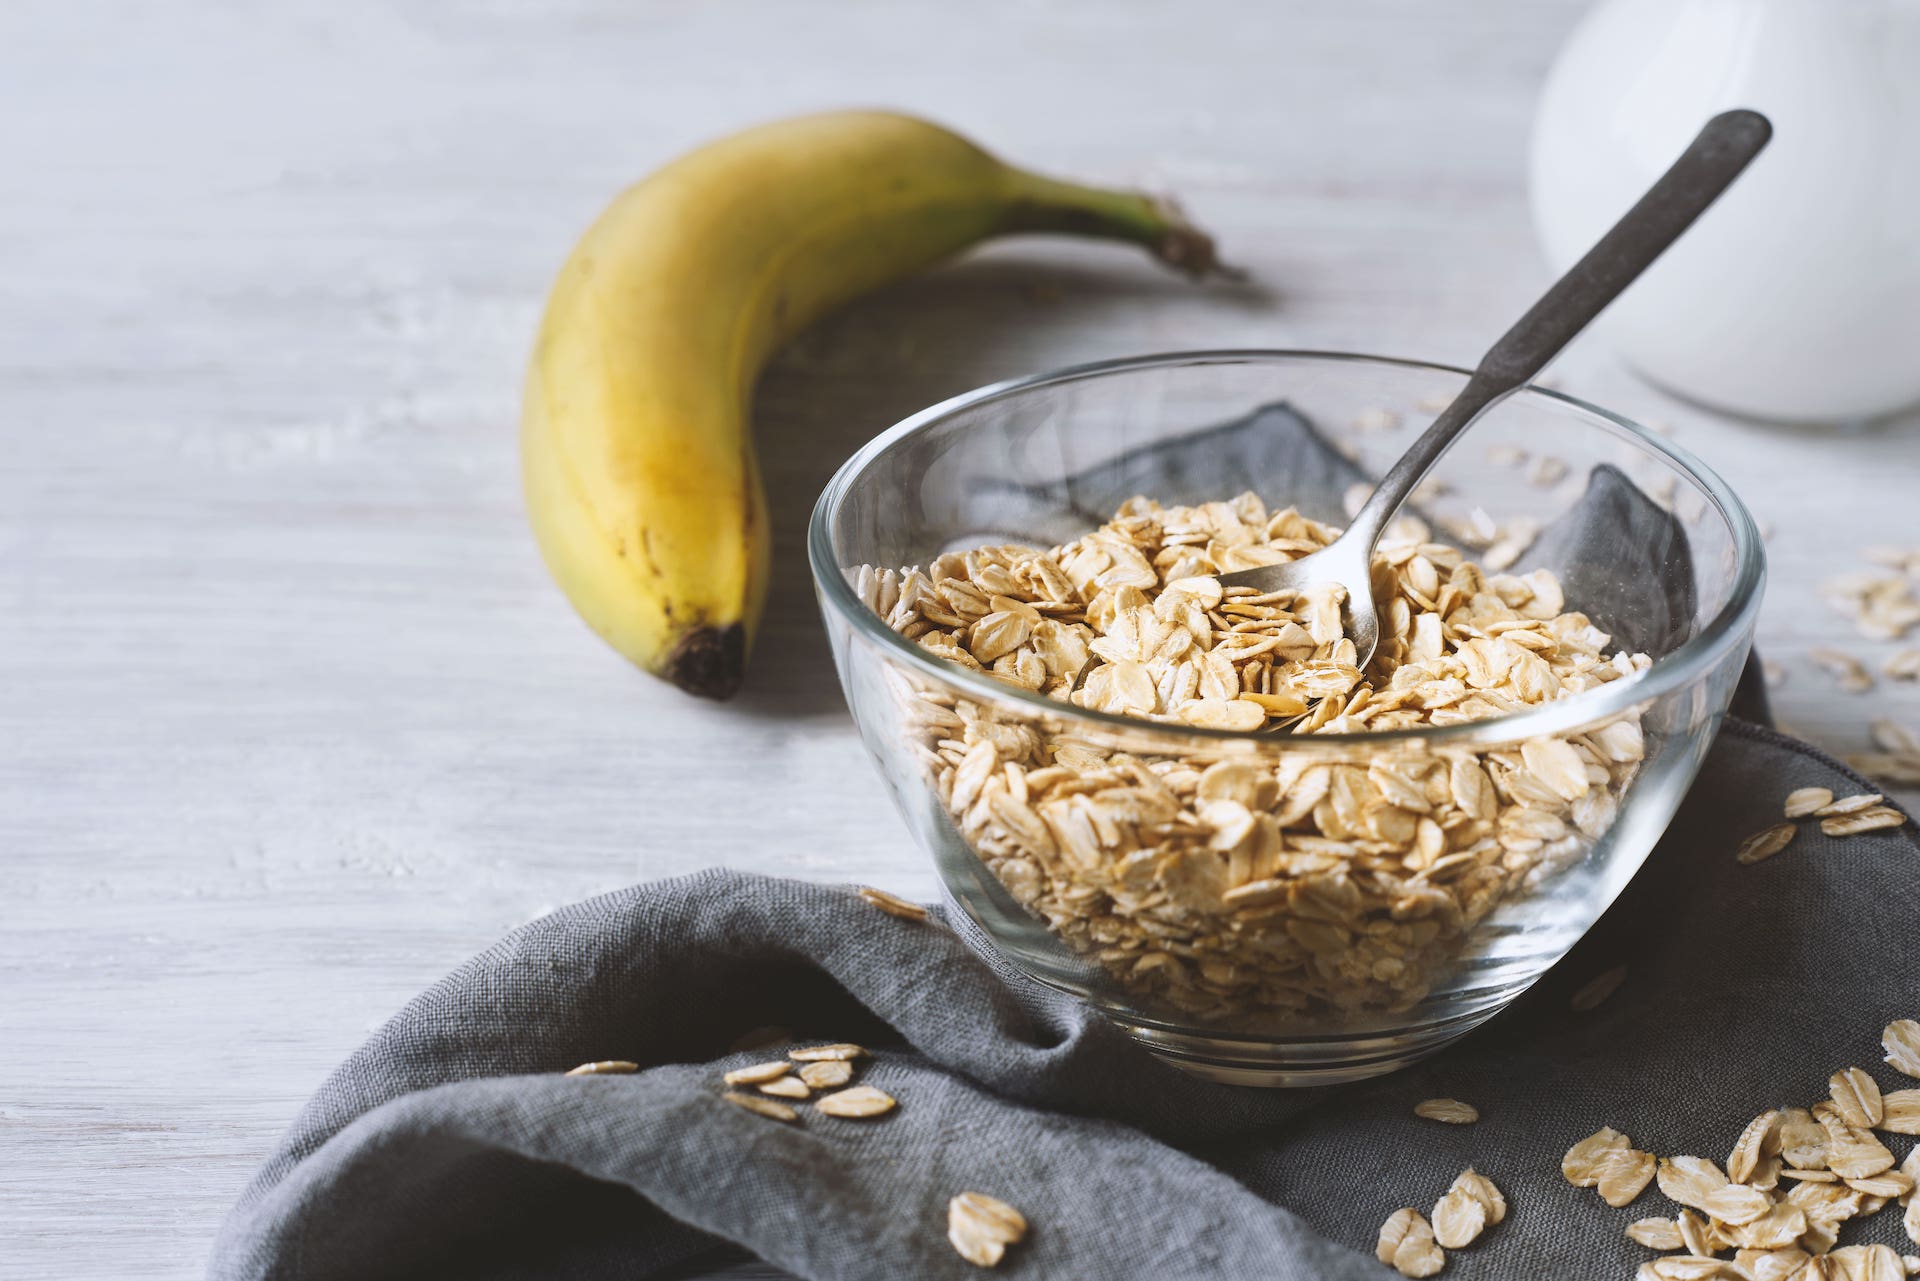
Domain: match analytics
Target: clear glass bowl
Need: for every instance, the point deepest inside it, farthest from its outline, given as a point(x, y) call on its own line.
point(1350, 963)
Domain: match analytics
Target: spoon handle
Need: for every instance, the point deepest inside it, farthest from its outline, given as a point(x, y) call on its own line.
point(1705, 169)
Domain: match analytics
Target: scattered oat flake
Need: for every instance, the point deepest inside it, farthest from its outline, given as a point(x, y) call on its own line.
point(1900, 1112)
point(1688, 1179)
point(1864, 1263)
point(1736, 1203)
point(1624, 1175)
point(827, 1073)
point(785, 1087)
point(1898, 769)
point(1903, 666)
point(1887, 1184)
point(975, 1249)
point(1481, 1187)
point(1581, 1165)
point(823, 1053)
point(1852, 1152)
point(1407, 1243)
point(1877, 819)
point(893, 904)
point(1459, 1217)
point(1766, 1174)
point(1810, 1176)
point(605, 1067)
point(1803, 801)
point(1881, 606)
point(1779, 1264)
point(1847, 671)
point(999, 1219)
point(1802, 1140)
point(1765, 844)
point(765, 1107)
point(1856, 1096)
point(1597, 989)
point(757, 1073)
point(1693, 1233)
point(1890, 736)
point(981, 1227)
point(1656, 1234)
point(1452, 1111)
point(858, 1101)
point(1902, 1042)
point(1850, 805)
point(1751, 1146)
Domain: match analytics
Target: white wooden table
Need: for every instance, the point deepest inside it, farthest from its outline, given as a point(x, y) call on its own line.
point(292, 720)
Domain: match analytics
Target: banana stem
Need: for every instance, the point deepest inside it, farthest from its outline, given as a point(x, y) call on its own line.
point(1153, 222)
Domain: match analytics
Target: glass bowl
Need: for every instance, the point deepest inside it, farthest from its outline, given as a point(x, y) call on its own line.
point(1360, 899)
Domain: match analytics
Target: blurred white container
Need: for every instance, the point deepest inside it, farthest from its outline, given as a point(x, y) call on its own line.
point(1798, 295)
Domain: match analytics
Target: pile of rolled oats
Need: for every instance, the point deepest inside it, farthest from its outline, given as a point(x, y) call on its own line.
point(1265, 879)
point(1794, 1177)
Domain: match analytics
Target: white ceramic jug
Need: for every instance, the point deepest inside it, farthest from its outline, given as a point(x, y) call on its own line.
point(1798, 295)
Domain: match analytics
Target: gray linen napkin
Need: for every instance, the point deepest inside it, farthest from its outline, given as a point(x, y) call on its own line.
point(450, 1145)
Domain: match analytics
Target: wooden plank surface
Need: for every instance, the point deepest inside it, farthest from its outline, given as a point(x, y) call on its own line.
point(293, 721)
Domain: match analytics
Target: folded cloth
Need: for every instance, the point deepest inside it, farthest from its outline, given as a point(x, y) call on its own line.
point(452, 1145)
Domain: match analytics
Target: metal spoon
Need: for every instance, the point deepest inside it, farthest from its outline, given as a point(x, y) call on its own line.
point(1707, 167)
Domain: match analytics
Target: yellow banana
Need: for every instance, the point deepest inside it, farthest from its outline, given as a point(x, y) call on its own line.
point(640, 474)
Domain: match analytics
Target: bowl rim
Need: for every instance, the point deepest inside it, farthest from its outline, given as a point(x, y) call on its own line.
point(1677, 669)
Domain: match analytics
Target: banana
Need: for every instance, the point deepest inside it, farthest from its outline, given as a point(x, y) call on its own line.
point(639, 467)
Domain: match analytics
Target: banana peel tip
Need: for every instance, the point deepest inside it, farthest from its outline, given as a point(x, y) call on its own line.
point(708, 662)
